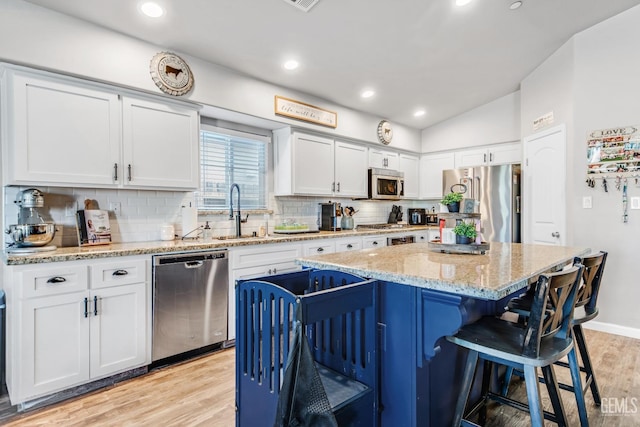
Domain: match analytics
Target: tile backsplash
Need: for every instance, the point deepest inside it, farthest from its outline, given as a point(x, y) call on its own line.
point(137, 215)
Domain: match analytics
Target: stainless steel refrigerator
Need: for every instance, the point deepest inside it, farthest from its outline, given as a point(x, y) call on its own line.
point(497, 188)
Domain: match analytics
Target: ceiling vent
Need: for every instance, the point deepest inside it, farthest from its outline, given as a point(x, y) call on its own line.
point(304, 5)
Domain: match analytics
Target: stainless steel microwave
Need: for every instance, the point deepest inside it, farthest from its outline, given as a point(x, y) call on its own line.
point(385, 184)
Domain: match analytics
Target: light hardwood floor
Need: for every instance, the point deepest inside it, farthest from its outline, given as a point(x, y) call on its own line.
point(200, 392)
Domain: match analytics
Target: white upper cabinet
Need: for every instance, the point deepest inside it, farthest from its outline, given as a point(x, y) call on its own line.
point(69, 132)
point(383, 159)
point(314, 165)
point(59, 133)
point(350, 170)
point(431, 167)
point(410, 165)
point(487, 156)
point(158, 141)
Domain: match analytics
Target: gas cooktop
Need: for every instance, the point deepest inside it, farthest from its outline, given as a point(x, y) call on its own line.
point(382, 226)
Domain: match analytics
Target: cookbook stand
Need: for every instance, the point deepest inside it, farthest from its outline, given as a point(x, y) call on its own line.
point(458, 248)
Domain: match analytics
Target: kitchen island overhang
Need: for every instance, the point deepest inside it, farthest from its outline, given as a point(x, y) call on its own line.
point(503, 270)
point(425, 296)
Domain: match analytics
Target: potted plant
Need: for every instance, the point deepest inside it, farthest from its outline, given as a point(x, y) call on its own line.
point(452, 201)
point(465, 232)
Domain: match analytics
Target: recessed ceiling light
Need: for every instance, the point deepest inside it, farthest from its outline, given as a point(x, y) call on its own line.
point(291, 64)
point(367, 93)
point(151, 9)
point(419, 113)
point(462, 2)
point(515, 5)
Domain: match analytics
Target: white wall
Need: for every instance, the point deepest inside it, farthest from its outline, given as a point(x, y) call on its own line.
point(495, 122)
point(607, 88)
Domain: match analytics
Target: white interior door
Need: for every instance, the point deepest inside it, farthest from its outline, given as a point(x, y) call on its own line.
point(544, 187)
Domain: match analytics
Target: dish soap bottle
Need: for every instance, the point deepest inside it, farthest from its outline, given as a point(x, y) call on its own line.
point(207, 234)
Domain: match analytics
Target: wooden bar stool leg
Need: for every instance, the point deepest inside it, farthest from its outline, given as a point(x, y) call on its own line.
point(467, 381)
point(486, 382)
point(577, 387)
point(554, 394)
point(533, 395)
point(586, 363)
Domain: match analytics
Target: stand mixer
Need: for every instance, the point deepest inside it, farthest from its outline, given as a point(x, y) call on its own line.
point(32, 233)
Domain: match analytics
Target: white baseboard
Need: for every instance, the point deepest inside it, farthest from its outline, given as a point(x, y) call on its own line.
point(613, 329)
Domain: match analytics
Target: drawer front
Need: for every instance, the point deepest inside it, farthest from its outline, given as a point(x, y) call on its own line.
point(53, 281)
point(264, 255)
point(121, 272)
point(318, 248)
point(374, 242)
point(352, 245)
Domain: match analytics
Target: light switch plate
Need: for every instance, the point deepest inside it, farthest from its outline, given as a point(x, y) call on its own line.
point(586, 202)
point(635, 203)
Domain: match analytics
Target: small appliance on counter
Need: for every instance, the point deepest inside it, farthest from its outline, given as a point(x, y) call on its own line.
point(432, 217)
point(329, 216)
point(32, 233)
point(417, 216)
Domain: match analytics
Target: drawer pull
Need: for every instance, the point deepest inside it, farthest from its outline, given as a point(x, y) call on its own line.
point(349, 246)
point(120, 273)
point(374, 243)
point(320, 249)
point(86, 307)
point(56, 279)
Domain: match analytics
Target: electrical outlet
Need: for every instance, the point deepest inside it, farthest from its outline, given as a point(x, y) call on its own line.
point(635, 203)
point(115, 207)
point(71, 208)
point(586, 202)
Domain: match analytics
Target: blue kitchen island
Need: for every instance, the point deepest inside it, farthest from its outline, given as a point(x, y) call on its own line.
point(423, 296)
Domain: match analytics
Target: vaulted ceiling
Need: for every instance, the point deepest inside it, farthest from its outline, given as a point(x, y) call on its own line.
point(415, 54)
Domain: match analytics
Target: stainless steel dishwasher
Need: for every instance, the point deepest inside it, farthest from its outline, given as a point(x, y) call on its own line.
point(190, 294)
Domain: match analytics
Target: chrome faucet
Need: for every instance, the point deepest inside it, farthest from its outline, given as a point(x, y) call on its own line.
point(238, 217)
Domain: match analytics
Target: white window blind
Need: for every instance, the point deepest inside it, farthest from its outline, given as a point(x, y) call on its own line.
point(228, 157)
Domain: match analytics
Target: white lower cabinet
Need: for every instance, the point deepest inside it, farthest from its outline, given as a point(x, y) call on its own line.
point(374, 242)
point(64, 330)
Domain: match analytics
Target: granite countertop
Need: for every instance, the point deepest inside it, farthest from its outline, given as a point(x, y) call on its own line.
point(504, 269)
point(157, 247)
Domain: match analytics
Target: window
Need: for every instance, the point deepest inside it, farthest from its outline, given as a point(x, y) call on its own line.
point(228, 157)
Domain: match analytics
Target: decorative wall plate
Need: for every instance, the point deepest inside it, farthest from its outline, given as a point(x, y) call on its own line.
point(385, 133)
point(171, 73)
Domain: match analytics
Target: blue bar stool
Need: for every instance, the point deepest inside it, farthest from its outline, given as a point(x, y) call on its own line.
point(585, 309)
point(544, 340)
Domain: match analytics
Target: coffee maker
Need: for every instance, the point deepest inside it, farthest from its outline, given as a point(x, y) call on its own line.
point(329, 216)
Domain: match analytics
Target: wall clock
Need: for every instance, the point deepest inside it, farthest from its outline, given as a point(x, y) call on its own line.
point(171, 73)
point(385, 133)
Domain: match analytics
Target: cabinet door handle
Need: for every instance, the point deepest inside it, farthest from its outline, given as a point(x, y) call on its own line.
point(56, 279)
point(95, 305)
point(491, 157)
point(320, 249)
point(269, 271)
point(333, 186)
point(86, 307)
point(338, 187)
point(485, 158)
point(120, 273)
point(115, 172)
point(275, 271)
point(129, 172)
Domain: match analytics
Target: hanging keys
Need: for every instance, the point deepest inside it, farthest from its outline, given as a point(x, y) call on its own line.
point(604, 184)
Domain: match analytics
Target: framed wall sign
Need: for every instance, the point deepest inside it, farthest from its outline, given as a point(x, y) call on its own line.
point(306, 112)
